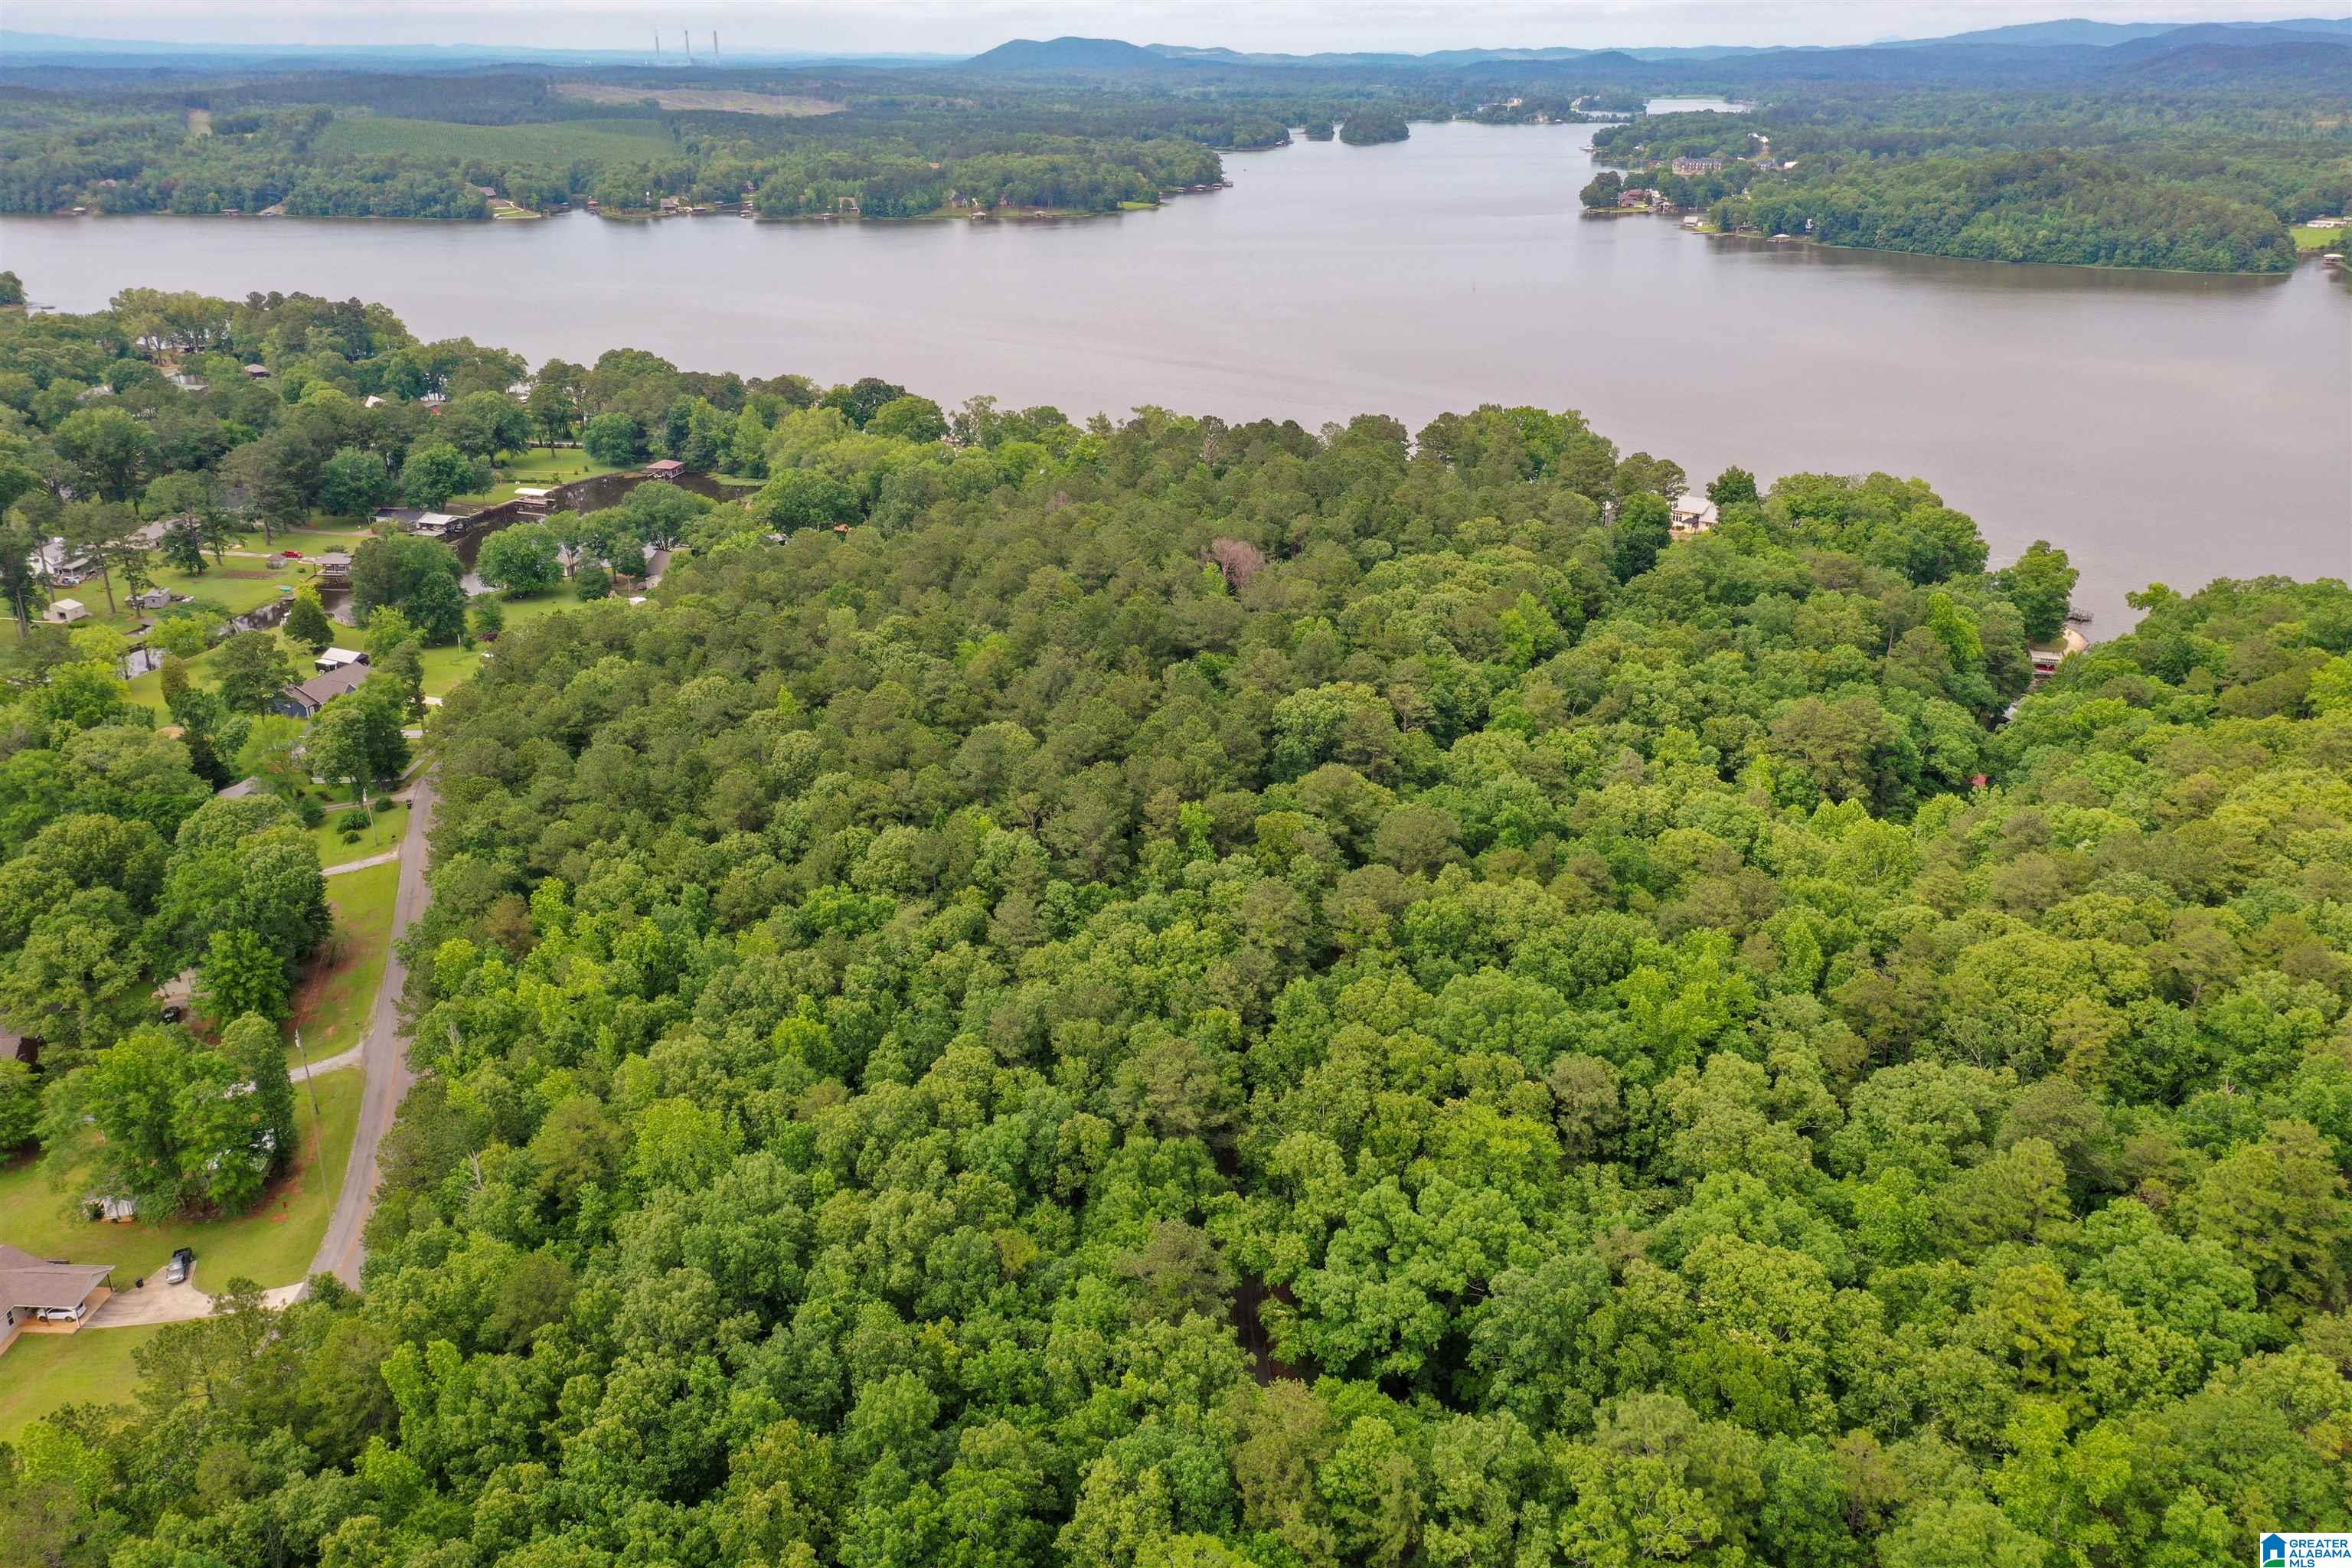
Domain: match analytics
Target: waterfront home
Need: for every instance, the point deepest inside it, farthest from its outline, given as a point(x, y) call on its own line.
point(59, 564)
point(665, 469)
point(334, 569)
point(305, 701)
point(334, 658)
point(1692, 167)
point(1692, 515)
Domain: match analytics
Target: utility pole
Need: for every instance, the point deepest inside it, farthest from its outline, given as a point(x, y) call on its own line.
point(318, 1117)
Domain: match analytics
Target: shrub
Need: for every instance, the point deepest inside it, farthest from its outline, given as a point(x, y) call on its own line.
point(354, 821)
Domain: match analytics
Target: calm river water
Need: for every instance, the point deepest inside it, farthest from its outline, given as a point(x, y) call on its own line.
point(2161, 427)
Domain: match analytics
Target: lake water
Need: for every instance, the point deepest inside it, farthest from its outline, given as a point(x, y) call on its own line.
point(2162, 427)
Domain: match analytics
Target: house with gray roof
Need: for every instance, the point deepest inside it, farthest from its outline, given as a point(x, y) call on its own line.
point(36, 1292)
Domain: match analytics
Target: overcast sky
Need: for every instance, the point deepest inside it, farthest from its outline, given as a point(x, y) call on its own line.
point(968, 25)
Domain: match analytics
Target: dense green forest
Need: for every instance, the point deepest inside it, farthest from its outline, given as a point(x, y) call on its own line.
point(2200, 182)
point(398, 145)
point(1183, 994)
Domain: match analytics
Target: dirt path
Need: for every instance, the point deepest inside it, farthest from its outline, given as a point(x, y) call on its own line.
point(161, 1303)
point(335, 1063)
point(385, 1057)
point(385, 858)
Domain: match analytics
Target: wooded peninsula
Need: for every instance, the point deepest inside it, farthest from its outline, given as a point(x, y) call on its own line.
point(1156, 992)
point(2196, 150)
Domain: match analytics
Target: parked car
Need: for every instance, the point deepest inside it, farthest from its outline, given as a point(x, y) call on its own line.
point(182, 1263)
point(62, 1314)
point(293, 555)
point(172, 1013)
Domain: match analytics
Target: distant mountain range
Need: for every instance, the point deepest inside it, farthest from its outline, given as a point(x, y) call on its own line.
point(2119, 41)
point(2101, 34)
point(2116, 42)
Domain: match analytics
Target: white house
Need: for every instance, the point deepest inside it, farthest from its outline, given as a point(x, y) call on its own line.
point(65, 612)
point(1693, 514)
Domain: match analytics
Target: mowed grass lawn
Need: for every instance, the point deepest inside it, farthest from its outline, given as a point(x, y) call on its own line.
point(447, 668)
point(40, 1374)
point(539, 465)
point(549, 142)
point(381, 833)
point(147, 690)
point(333, 1003)
point(271, 1245)
point(2309, 238)
point(237, 584)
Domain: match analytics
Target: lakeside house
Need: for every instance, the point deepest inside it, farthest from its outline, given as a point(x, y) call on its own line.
point(335, 658)
point(666, 469)
point(2046, 660)
point(1692, 515)
point(43, 1296)
point(65, 612)
point(534, 499)
point(56, 563)
point(187, 383)
point(1690, 167)
point(306, 700)
point(430, 524)
point(334, 569)
point(257, 372)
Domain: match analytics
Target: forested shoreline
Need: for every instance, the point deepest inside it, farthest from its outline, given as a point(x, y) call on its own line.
point(2191, 160)
point(1163, 992)
point(2201, 183)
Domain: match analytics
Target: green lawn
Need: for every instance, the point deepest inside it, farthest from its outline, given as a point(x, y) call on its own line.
point(272, 1246)
point(333, 1003)
point(147, 690)
point(238, 584)
point(539, 465)
point(446, 667)
point(315, 539)
point(42, 1374)
point(382, 832)
point(2309, 238)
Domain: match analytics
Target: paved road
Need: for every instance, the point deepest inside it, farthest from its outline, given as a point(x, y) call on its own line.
point(385, 1056)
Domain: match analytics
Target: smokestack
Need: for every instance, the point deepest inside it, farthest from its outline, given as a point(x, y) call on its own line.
point(714, 45)
point(689, 39)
